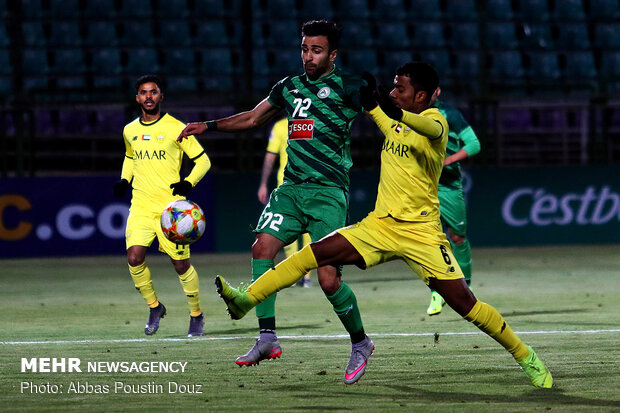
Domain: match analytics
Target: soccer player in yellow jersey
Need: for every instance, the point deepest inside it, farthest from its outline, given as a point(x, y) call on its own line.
point(276, 148)
point(152, 163)
point(405, 223)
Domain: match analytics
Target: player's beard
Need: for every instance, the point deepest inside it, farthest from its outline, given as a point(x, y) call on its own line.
point(152, 111)
point(316, 70)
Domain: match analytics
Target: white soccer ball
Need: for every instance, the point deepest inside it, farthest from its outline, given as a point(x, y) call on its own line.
point(183, 222)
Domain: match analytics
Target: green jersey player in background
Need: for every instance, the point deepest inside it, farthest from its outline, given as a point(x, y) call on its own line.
point(321, 105)
point(462, 143)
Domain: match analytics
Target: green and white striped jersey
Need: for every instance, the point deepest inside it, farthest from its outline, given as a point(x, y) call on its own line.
point(320, 115)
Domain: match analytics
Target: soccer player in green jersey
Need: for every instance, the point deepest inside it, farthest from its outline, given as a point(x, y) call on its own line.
point(152, 164)
point(462, 143)
point(405, 223)
point(321, 105)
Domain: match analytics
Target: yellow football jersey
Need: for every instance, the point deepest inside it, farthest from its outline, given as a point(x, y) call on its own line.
point(153, 159)
point(410, 168)
point(278, 142)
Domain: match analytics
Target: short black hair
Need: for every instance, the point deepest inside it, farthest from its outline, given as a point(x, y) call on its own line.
point(326, 28)
point(421, 75)
point(151, 78)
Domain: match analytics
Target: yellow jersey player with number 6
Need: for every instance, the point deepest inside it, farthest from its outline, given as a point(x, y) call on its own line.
point(152, 164)
point(405, 223)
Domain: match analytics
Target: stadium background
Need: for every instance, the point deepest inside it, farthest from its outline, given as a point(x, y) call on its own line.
point(537, 79)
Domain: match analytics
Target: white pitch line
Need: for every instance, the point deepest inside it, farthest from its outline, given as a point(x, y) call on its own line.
point(305, 337)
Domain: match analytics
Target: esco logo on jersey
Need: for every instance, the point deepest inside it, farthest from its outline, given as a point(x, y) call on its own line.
point(300, 129)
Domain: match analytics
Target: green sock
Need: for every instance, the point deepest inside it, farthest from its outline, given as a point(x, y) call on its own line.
point(267, 308)
point(345, 306)
point(462, 253)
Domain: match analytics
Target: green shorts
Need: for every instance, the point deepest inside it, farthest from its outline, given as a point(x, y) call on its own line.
point(295, 209)
point(453, 210)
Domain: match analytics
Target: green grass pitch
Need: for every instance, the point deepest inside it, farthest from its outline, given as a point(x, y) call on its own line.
point(564, 302)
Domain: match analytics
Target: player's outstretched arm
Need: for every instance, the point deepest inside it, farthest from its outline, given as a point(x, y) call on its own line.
point(193, 128)
point(235, 123)
point(423, 125)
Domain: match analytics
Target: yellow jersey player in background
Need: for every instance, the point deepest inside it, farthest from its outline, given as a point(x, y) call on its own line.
point(276, 148)
point(405, 223)
point(152, 165)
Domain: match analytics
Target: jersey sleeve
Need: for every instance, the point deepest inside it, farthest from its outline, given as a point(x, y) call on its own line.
point(457, 121)
point(194, 151)
point(127, 170)
point(470, 141)
point(425, 125)
point(382, 120)
point(461, 128)
point(191, 147)
point(276, 96)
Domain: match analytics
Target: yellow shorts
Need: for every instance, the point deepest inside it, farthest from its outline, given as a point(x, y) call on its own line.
point(143, 228)
point(422, 245)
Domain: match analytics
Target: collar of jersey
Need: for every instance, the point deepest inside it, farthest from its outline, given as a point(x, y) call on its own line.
point(151, 123)
point(322, 77)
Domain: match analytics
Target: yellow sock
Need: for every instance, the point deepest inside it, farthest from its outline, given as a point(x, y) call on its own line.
point(489, 320)
point(142, 280)
point(291, 249)
point(190, 284)
point(286, 273)
point(305, 240)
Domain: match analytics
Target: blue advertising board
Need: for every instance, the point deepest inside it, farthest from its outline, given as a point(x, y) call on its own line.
point(506, 207)
point(72, 216)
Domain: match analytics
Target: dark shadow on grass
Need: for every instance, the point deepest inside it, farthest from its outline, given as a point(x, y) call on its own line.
point(370, 279)
point(281, 328)
point(572, 325)
point(526, 313)
point(536, 396)
point(405, 394)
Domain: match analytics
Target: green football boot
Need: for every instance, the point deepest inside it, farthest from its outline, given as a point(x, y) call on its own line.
point(236, 300)
point(535, 369)
point(437, 302)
